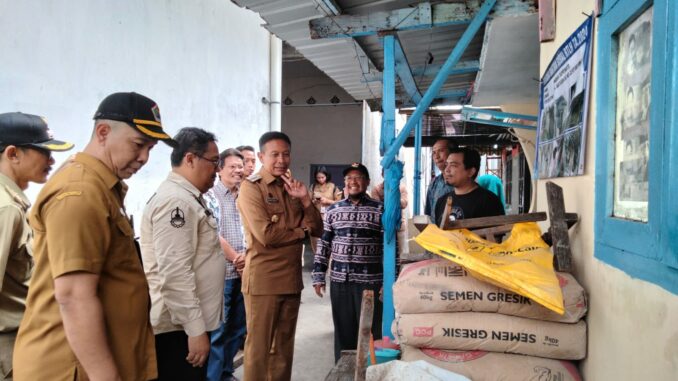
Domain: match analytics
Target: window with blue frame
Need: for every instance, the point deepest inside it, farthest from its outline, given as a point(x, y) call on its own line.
point(636, 216)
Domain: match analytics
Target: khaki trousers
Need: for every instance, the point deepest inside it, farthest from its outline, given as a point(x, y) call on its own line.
point(271, 325)
point(7, 340)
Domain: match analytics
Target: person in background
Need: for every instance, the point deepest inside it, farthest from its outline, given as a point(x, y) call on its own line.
point(324, 193)
point(226, 340)
point(249, 159)
point(277, 215)
point(182, 259)
point(493, 184)
point(25, 156)
point(438, 187)
point(468, 199)
point(352, 241)
point(87, 308)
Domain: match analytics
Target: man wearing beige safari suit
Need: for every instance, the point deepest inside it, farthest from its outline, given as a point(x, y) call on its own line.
point(182, 259)
point(25, 156)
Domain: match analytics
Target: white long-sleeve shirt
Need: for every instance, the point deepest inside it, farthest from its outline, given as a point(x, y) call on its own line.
point(182, 259)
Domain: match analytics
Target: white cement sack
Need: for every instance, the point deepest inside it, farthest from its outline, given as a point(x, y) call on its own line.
point(467, 331)
point(490, 366)
point(410, 371)
point(438, 285)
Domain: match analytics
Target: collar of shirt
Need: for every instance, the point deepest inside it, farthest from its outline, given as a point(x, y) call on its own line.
point(268, 178)
point(106, 174)
point(182, 182)
point(361, 201)
point(14, 191)
point(222, 189)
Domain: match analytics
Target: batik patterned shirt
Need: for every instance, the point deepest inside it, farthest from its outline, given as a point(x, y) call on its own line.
point(353, 239)
point(221, 201)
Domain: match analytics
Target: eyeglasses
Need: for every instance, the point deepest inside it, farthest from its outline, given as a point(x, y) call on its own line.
point(215, 162)
point(354, 178)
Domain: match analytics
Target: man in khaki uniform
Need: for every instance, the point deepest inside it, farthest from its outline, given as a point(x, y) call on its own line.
point(25, 156)
point(277, 215)
point(182, 259)
point(87, 309)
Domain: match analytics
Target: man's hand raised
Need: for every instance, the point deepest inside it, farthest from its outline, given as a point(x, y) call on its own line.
point(296, 188)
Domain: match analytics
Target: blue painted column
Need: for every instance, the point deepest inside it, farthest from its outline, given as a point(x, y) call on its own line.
point(417, 167)
point(438, 81)
point(391, 195)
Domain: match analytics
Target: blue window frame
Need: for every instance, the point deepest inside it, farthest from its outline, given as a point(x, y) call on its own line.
point(649, 249)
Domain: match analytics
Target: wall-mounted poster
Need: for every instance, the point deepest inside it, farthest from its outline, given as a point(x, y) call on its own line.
point(632, 150)
point(563, 107)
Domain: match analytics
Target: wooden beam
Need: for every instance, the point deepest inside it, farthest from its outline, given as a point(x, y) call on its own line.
point(559, 231)
point(364, 332)
point(344, 370)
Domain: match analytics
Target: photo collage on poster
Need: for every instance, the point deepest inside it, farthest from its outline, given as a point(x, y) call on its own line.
point(632, 149)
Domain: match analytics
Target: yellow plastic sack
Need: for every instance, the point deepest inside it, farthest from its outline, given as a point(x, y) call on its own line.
point(522, 264)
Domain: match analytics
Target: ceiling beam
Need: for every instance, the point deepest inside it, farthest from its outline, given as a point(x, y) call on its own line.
point(498, 118)
point(464, 67)
point(402, 68)
point(422, 16)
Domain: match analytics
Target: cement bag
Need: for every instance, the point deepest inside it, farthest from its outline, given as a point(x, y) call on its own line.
point(491, 366)
point(522, 264)
point(467, 331)
point(410, 371)
point(438, 285)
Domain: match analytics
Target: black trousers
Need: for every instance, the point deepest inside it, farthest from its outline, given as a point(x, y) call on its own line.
point(346, 301)
point(171, 349)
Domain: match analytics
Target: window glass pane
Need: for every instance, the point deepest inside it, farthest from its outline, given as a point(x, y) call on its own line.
point(632, 149)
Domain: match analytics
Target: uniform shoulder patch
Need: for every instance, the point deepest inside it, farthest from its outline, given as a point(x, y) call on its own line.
point(177, 218)
point(63, 195)
point(254, 178)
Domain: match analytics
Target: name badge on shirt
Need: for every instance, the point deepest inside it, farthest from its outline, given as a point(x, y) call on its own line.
point(272, 200)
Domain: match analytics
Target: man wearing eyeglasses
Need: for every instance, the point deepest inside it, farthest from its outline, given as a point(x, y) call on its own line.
point(353, 240)
point(25, 156)
point(182, 259)
point(226, 340)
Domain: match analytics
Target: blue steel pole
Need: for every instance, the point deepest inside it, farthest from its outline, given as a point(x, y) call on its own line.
point(388, 107)
point(417, 167)
point(438, 82)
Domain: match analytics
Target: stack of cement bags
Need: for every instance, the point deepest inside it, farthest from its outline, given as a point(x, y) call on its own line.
point(459, 323)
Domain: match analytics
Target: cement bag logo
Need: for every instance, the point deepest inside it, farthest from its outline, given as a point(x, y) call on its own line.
point(422, 332)
point(452, 356)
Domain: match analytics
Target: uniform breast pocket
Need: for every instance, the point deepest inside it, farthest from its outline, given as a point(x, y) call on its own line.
point(123, 249)
point(275, 211)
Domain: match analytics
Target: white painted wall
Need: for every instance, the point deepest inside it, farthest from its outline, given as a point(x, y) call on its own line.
point(632, 324)
point(206, 64)
point(322, 133)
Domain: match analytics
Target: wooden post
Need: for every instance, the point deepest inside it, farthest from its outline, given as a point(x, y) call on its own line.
point(446, 213)
point(364, 332)
point(559, 233)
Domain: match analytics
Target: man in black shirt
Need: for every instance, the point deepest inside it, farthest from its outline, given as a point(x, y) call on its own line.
point(469, 200)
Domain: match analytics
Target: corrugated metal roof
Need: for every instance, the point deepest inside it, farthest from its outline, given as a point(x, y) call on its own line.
point(350, 62)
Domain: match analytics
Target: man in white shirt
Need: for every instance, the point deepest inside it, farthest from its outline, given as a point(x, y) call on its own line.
point(182, 259)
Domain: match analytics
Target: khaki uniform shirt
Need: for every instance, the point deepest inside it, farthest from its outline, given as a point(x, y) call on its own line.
point(16, 259)
point(80, 224)
point(182, 259)
point(274, 222)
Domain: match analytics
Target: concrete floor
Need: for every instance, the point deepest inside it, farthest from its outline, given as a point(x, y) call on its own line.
point(314, 341)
